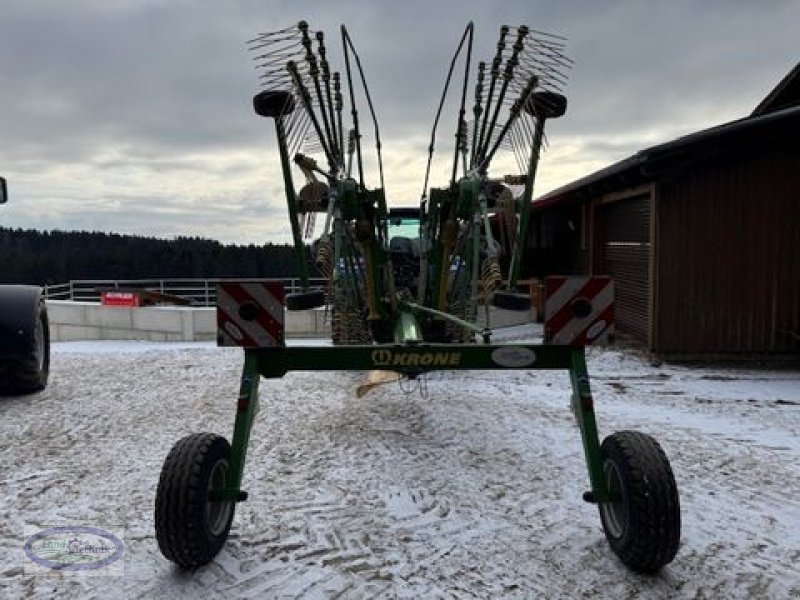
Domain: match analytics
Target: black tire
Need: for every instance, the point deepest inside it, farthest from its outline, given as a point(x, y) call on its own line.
point(273, 103)
point(28, 373)
point(191, 528)
point(546, 105)
point(305, 300)
point(644, 525)
point(511, 301)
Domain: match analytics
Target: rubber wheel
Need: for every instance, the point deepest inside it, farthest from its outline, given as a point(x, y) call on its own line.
point(28, 373)
point(511, 301)
point(273, 103)
point(305, 300)
point(191, 526)
point(643, 525)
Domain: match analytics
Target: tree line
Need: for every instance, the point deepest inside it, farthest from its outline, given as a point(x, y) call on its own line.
point(49, 257)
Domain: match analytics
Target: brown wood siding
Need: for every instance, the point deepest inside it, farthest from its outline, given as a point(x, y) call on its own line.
point(728, 262)
point(556, 243)
point(624, 248)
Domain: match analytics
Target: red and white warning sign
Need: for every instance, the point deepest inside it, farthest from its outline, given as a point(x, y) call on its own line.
point(578, 310)
point(250, 314)
point(127, 299)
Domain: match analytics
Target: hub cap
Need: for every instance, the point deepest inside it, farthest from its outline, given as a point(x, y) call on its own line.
point(218, 511)
point(614, 515)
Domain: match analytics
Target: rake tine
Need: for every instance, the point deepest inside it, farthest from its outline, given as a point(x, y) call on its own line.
point(305, 98)
point(303, 126)
point(326, 79)
point(508, 75)
point(515, 111)
point(519, 153)
point(313, 71)
point(261, 36)
point(495, 71)
point(282, 51)
point(476, 111)
point(338, 105)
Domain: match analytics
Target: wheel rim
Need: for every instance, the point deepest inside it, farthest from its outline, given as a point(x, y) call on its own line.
point(615, 517)
point(218, 511)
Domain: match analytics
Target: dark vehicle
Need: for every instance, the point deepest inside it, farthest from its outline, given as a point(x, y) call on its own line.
point(24, 335)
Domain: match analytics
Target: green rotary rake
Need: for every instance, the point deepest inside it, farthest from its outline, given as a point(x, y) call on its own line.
point(405, 286)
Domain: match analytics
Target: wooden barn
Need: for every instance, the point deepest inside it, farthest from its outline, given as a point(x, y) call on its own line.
point(701, 235)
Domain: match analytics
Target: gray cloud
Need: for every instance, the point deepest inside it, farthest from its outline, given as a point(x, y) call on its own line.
point(135, 116)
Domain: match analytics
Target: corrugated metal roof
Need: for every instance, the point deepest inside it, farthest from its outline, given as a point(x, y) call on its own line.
point(645, 163)
point(784, 95)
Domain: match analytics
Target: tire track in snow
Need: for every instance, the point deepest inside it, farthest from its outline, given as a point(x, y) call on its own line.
point(473, 491)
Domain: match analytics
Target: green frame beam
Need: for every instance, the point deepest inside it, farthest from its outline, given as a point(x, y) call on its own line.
point(412, 360)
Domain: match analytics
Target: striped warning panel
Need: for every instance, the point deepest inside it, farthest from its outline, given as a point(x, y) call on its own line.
point(578, 310)
point(250, 314)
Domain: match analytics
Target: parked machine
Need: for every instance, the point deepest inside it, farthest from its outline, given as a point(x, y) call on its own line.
point(24, 335)
point(409, 303)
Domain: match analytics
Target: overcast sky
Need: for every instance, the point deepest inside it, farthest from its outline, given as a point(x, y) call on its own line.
point(135, 116)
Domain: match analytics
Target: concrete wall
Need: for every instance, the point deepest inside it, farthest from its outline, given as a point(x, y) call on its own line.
point(72, 321)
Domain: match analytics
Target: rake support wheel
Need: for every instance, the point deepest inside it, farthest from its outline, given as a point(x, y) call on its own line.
point(191, 524)
point(643, 523)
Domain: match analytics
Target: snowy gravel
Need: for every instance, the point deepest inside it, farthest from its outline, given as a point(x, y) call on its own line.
point(470, 489)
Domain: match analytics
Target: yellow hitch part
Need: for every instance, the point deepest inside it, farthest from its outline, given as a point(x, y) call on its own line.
point(374, 379)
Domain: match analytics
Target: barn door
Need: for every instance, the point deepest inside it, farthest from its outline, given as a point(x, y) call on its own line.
point(624, 228)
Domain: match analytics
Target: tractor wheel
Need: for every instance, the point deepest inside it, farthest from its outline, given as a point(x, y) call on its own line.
point(191, 524)
point(28, 372)
point(643, 522)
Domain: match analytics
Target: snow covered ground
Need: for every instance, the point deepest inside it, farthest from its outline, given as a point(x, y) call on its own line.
point(470, 490)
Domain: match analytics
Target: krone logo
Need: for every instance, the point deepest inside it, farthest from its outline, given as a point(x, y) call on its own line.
point(389, 358)
point(382, 358)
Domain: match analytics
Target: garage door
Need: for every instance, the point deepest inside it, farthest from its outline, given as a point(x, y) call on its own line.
point(625, 231)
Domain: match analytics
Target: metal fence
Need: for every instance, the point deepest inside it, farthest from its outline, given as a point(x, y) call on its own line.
point(199, 292)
